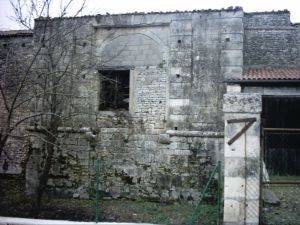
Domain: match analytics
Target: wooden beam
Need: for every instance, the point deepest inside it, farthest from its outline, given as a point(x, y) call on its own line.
point(248, 121)
point(252, 119)
point(282, 129)
point(282, 182)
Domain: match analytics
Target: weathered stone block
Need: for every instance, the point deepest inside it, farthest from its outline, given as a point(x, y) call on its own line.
point(243, 102)
point(234, 187)
point(164, 139)
point(180, 90)
point(181, 27)
point(179, 102)
point(232, 25)
point(235, 167)
point(233, 211)
point(231, 57)
point(234, 13)
point(232, 72)
point(234, 88)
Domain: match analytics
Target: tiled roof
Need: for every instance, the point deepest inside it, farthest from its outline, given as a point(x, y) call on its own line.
point(266, 74)
point(13, 33)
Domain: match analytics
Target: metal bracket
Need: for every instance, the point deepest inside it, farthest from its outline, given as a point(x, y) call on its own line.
point(248, 121)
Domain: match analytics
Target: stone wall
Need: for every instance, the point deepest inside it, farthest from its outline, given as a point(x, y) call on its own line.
point(164, 146)
point(70, 174)
point(15, 52)
point(270, 40)
point(175, 92)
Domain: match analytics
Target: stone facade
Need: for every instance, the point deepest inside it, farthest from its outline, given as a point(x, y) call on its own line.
point(15, 50)
point(175, 94)
point(163, 147)
point(270, 41)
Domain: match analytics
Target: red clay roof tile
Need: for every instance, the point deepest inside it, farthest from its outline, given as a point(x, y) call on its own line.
point(270, 73)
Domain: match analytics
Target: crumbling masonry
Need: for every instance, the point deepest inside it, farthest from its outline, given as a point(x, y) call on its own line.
point(188, 73)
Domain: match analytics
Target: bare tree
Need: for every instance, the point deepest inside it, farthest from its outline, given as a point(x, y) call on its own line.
point(58, 71)
point(26, 11)
point(17, 69)
point(14, 78)
point(44, 82)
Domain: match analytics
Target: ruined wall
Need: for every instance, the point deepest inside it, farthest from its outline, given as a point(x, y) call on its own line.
point(70, 174)
point(270, 40)
point(163, 147)
point(182, 93)
point(15, 51)
point(71, 169)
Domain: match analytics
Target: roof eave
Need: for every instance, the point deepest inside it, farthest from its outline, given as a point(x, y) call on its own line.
point(278, 81)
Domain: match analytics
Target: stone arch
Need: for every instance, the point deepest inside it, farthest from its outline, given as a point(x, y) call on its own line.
point(132, 49)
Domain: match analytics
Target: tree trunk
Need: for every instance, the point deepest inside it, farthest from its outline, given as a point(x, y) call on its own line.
point(51, 140)
point(3, 141)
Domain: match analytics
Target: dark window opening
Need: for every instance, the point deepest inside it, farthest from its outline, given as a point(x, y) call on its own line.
point(281, 136)
point(114, 86)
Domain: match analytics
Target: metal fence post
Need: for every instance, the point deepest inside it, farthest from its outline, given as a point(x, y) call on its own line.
point(219, 193)
point(97, 168)
point(192, 219)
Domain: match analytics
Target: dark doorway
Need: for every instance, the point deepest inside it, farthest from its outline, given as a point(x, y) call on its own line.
point(281, 160)
point(281, 136)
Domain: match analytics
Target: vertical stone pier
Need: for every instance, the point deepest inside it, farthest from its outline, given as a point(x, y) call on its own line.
point(241, 158)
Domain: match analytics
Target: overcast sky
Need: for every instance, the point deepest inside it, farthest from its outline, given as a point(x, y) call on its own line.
point(122, 6)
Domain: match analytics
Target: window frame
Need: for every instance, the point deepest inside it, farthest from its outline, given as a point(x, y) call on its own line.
point(100, 95)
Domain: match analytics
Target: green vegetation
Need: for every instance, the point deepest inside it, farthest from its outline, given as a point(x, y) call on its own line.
point(14, 203)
